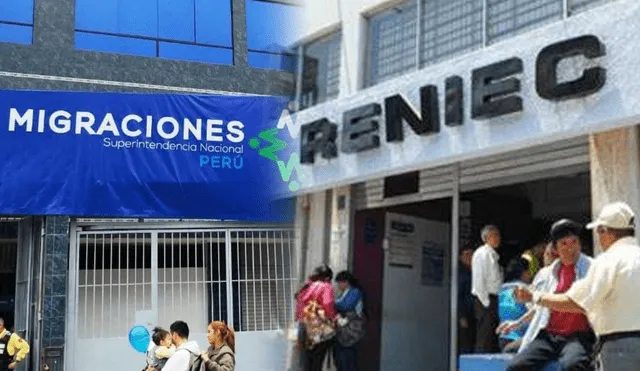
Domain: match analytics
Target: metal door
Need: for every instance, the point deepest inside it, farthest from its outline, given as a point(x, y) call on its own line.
point(154, 277)
point(415, 324)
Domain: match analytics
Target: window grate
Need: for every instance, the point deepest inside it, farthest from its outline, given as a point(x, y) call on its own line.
point(321, 70)
point(510, 17)
point(450, 27)
point(392, 41)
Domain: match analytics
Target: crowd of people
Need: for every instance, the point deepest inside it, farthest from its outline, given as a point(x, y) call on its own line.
point(329, 322)
point(173, 351)
point(553, 302)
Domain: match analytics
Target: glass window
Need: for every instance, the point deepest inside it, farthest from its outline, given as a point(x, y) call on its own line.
point(16, 11)
point(196, 29)
point(321, 70)
point(176, 20)
point(17, 34)
point(115, 44)
point(196, 53)
point(213, 22)
point(284, 62)
point(137, 18)
point(576, 6)
point(392, 43)
point(510, 17)
point(271, 30)
point(16, 21)
point(450, 27)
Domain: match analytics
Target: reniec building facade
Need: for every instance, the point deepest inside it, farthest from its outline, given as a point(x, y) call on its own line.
point(422, 120)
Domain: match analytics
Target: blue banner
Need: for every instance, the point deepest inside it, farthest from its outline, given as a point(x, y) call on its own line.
point(139, 155)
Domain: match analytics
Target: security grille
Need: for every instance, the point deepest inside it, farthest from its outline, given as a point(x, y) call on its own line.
point(321, 70)
point(241, 276)
point(392, 46)
point(262, 279)
point(449, 27)
point(114, 282)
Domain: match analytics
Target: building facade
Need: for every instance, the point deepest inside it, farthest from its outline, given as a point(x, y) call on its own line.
point(75, 286)
point(420, 121)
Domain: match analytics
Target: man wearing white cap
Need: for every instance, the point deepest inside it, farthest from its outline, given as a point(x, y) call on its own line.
point(610, 293)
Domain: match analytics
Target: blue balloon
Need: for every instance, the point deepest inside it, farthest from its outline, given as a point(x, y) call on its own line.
point(139, 338)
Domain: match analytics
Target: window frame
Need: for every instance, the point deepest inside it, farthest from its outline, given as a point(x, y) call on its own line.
point(158, 40)
point(287, 52)
point(569, 8)
point(28, 24)
point(326, 37)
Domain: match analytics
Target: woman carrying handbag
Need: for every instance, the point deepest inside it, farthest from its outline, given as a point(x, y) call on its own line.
point(351, 321)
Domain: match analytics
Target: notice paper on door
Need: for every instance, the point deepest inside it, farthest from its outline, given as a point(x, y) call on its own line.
point(402, 242)
point(432, 270)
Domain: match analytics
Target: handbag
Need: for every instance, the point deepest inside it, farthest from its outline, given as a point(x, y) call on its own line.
point(318, 328)
point(353, 331)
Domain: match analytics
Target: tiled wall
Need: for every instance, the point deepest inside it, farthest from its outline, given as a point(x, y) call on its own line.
point(56, 266)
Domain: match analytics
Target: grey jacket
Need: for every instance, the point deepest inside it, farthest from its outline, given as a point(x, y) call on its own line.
point(222, 359)
point(154, 361)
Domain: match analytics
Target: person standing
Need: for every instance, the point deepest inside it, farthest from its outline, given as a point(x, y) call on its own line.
point(486, 280)
point(187, 352)
point(221, 353)
point(466, 317)
point(316, 315)
point(13, 349)
point(351, 321)
point(609, 293)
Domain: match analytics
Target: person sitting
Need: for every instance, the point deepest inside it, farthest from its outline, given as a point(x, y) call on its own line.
point(553, 335)
point(518, 274)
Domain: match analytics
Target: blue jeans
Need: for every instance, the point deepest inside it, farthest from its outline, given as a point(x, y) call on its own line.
point(346, 358)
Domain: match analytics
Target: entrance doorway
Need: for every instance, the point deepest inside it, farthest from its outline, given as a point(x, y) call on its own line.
point(153, 277)
point(402, 260)
point(21, 281)
point(405, 313)
point(8, 262)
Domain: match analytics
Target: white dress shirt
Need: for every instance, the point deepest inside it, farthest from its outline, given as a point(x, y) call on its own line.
point(610, 293)
point(486, 274)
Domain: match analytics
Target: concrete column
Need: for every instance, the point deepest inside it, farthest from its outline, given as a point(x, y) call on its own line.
point(318, 234)
point(239, 15)
point(56, 267)
point(615, 169)
point(54, 24)
point(340, 246)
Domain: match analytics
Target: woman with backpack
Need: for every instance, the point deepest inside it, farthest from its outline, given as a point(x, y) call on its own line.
point(351, 321)
point(316, 315)
point(221, 353)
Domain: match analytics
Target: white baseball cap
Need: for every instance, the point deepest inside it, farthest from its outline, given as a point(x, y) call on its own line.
point(617, 215)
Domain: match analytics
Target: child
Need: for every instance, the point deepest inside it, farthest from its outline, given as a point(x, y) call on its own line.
point(158, 355)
